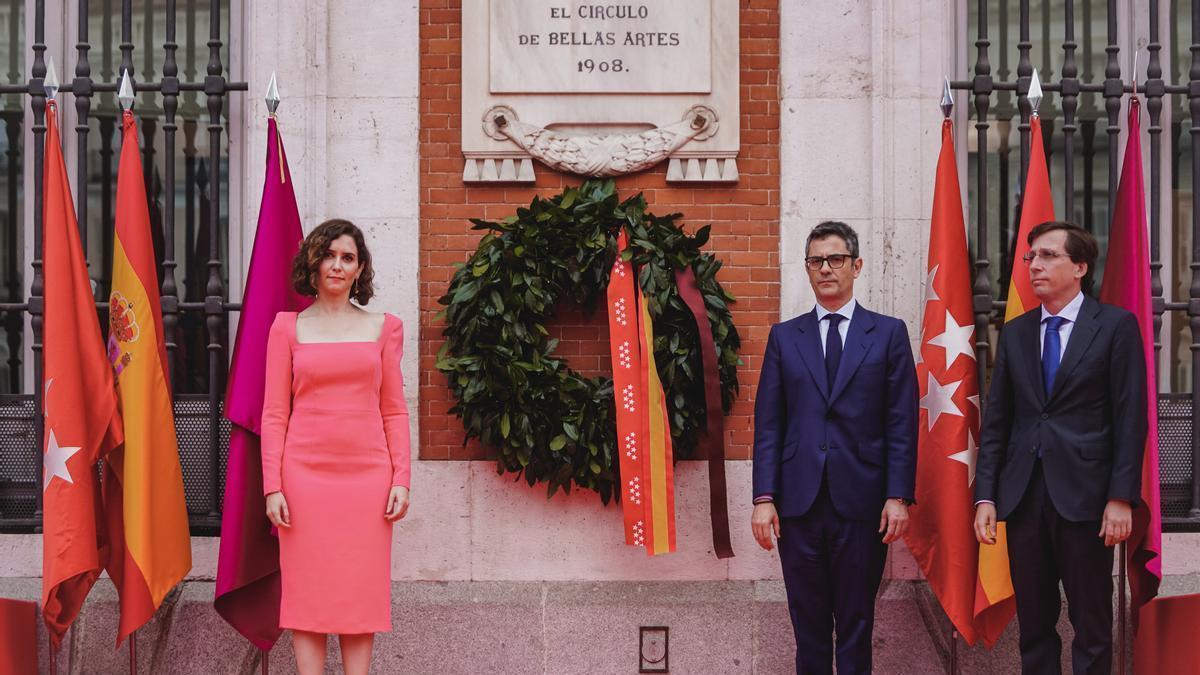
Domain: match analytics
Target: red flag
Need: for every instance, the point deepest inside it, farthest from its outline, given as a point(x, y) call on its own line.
point(248, 586)
point(940, 535)
point(1127, 284)
point(82, 423)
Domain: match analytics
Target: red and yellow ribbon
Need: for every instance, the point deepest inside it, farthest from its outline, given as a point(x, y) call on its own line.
point(643, 429)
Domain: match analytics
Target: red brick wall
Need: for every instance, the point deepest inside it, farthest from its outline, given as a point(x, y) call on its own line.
point(745, 220)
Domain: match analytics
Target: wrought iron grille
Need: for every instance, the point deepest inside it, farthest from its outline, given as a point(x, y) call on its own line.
point(195, 318)
point(1088, 120)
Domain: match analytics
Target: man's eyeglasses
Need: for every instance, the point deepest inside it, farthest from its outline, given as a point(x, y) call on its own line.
point(1045, 254)
point(836, 261)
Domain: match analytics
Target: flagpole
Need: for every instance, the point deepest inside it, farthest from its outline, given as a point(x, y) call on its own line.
point(53, 660)
point(133, 653)
point(1121, 609)
point(266, 661)
point(953, 652)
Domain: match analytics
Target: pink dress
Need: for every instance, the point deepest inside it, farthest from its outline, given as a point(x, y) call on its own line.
point(335, 440)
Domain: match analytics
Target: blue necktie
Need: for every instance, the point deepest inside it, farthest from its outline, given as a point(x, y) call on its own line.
point(1051, 351)
point(833, 348)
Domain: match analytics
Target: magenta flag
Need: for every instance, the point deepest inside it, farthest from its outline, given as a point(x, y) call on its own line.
point(247, 594)
point(1127, 284)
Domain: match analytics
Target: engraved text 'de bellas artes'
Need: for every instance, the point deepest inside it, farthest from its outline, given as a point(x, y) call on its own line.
point(600, 89)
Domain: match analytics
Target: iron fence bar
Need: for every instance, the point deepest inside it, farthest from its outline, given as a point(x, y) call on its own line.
point(1194, 288)
point(1089, 174)
point(982, 88)
point(126, 45)
point(214, 89)
point(82, 87)
point(1114, 89)
point(13, 321)
point(1024, 76)
point(107, 126)
point(1154, 100)
point(1070, 101)
point(170, 92)
point(37, 101)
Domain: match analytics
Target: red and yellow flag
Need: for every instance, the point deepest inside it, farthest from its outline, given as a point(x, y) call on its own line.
point(1037, 206)
point(643, 430)
point(79, 404)
point(145, 503)
point(995, 592)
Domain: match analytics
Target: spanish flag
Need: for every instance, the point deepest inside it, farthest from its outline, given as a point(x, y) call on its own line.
point(144, 496)
point(994, 597)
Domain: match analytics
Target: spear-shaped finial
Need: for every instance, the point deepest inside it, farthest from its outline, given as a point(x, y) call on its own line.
point(272, 95)
point(50, 82)
point(125, 95)
point(947, 104)
point(1035, 92)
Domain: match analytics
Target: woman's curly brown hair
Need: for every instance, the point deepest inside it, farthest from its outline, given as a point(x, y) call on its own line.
point(307, 263)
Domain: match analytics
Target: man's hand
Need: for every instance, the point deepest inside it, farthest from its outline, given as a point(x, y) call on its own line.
point(277, 510)
point(1117, 522)
point(985, 523)
point(763, 522)
point(893, 520)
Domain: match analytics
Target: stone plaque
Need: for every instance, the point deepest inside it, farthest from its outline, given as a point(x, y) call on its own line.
point(572, 47)
point(600, 88)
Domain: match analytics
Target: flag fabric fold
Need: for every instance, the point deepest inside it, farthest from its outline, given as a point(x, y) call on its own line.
point(643, 431)
point(247, 587)
point(79, 405)
point(940, 534)
point(143, 487)
point(1127, 284)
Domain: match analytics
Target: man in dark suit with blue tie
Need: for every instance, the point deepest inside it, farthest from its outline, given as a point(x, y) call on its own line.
point(1060, 451)
point(835, 450)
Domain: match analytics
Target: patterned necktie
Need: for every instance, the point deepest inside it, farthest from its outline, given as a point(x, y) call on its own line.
point(1051, 351)
point(833, 348)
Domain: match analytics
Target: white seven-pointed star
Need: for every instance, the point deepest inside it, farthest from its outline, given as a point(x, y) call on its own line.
point(939, 400)
point(968, 457)
point(955, 340)
point(56, 462)
point(930, 291)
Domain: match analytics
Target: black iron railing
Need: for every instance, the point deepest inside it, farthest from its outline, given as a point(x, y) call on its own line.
point(202, 431)
point(1179, 437)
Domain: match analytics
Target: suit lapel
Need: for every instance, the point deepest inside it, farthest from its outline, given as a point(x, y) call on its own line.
point(809, 346)
point(1082, 333)
point(858, 343)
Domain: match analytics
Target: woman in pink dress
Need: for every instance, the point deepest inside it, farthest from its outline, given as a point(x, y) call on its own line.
point(335, 451)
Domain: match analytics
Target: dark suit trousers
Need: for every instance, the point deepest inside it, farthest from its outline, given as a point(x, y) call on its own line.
point(831, 569)
point(1044, 549)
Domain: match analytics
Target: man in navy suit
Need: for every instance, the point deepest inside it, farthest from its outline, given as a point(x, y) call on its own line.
point(1060, 451)
point(835, 452)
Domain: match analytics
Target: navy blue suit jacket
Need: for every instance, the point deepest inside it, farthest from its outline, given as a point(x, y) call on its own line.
point(862, 434)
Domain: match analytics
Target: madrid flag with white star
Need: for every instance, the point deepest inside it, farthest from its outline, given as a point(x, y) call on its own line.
point(940, 533)
point(79, 405)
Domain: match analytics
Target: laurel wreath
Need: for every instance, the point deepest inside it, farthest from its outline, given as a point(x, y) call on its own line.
point(547, 422)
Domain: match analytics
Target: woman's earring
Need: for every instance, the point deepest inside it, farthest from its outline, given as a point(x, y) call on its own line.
point(354, 290)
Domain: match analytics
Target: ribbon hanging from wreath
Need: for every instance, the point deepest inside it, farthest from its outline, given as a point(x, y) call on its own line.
point(549, 423)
